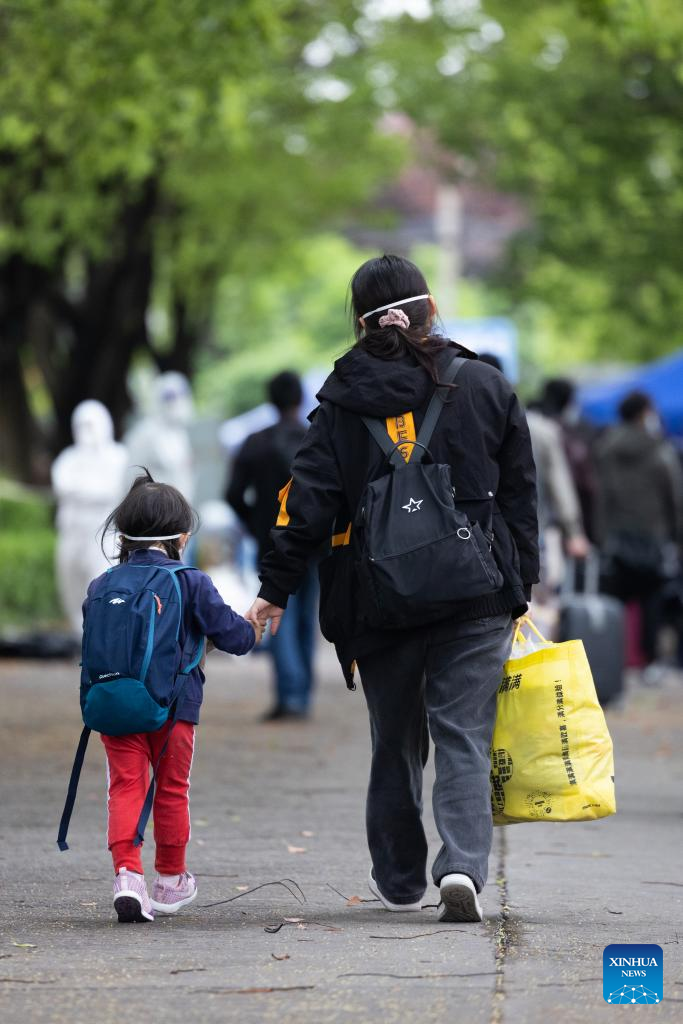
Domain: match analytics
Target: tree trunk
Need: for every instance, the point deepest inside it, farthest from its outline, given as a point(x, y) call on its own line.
point(85, 349)
point(188, 332)
point(21, 440)
point(110, 325)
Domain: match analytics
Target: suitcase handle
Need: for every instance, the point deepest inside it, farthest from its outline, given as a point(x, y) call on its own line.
point(591, 576)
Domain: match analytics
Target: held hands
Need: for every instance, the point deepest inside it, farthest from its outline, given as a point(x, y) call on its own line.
point(259, 614)
point(258, 627)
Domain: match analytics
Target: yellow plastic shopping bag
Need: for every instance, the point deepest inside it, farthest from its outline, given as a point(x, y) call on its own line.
point(551, 755)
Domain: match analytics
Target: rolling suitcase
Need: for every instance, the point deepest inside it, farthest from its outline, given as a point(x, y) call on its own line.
point(598, 620)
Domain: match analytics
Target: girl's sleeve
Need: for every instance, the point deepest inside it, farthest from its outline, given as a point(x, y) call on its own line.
point(308, 506)
point(216, 620)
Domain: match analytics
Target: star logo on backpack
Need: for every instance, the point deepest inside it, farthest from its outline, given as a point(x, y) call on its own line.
point(413, 505)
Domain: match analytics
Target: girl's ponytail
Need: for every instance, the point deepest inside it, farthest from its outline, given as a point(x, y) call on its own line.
point(153, 510)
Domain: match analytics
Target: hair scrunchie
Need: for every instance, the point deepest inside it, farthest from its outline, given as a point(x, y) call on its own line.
point(394, 316)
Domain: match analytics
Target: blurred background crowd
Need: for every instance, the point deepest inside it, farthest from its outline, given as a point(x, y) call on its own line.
point(185, 191)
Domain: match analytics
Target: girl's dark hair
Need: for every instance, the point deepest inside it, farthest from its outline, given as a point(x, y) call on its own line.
point(151, 509)
point(387, 279)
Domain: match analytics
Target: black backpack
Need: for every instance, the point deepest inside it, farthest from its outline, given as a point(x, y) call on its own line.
point(417, 554)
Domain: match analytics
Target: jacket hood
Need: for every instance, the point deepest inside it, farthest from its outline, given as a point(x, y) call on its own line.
point(369, 386)
point(629, 443)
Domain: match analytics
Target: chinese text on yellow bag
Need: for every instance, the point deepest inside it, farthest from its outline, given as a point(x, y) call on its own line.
point(551, 756)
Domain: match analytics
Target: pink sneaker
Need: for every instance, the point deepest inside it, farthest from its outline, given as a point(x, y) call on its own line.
point(169, 899)
point(131, 899)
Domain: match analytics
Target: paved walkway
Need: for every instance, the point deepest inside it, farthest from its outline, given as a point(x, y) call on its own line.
point(272, 802)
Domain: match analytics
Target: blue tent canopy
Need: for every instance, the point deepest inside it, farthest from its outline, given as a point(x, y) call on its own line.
point(662, 381)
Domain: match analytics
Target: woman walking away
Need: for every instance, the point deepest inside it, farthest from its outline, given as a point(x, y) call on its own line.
point(432, 555)
point(145, 622)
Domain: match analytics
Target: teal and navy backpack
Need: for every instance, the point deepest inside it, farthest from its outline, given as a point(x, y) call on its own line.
point(133, 670)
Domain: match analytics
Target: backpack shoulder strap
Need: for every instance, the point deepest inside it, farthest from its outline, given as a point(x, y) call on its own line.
point(71, 792)
point(437, 403)
point(386, 443)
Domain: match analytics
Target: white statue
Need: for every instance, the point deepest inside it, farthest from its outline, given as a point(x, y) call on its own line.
point(160, 442)
point(89, 480)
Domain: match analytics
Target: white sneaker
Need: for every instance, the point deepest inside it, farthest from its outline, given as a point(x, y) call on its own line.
point(169, 899)
point(387, 904)
point(458, 899)
point(131, 899)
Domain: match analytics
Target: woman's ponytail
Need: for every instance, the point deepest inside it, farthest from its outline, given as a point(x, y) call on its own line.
point(389, 332)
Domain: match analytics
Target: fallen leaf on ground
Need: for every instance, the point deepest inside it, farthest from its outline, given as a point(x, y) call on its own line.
point(242, 888)
point(307, 835)
point(295, 849)
point(280, 956)
point(24, 945)
point(353, 901)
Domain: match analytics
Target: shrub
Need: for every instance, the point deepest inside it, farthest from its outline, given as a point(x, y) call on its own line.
point(28, 590)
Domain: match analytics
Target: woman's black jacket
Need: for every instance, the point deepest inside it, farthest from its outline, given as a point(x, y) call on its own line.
point(482, 434)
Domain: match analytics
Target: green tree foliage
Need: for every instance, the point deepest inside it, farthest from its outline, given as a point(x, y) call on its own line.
point(150, 151)
point(577, 106)
point(147, 149)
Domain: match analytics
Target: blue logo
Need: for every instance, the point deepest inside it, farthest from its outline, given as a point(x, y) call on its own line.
point(633, 973)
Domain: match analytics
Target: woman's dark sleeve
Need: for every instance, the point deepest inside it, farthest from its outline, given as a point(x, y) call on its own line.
point(516, 497)
point(309, 503)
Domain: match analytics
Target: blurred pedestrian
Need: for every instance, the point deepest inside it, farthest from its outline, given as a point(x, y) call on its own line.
point(559, 512)
point(161, 440)
point(558, 402)
point(445, 673)
point(88, 478)
point(640, 519)
point(259, 483)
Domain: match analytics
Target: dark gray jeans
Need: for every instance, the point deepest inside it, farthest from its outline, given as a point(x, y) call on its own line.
point(441, 680)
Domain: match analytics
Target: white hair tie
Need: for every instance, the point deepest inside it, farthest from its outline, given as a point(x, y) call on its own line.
point(170, 536)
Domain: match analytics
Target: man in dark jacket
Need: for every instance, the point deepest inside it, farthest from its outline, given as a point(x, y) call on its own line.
point(640, 517)
point(259, 480)
point(338, 458)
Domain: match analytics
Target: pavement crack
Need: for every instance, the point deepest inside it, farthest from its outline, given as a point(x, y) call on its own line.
point(503, 935)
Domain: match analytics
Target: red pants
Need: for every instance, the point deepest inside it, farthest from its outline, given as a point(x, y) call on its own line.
point(129, 759)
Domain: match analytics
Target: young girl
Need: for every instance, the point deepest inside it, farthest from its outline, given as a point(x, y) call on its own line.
point(154, 522)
